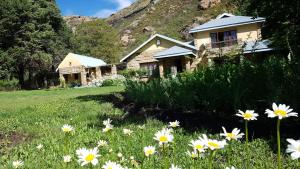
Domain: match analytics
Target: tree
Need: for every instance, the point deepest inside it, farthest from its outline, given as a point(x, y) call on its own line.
point(34, 36)
point(282, 21)
point(97, 39)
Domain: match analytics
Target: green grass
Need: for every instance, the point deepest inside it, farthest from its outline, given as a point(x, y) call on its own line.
point(29, 118)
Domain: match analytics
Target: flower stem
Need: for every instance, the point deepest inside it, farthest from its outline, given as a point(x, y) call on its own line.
point(247, 145)
point(210, 159)
point(278, 144)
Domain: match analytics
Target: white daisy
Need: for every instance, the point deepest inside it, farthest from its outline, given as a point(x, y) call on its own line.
point(164, 136)
point(198, 145)
point(67, 128)
point(127, 132)
point(107, 128)
point(111, 165)
point(102, 143)
point(248, 115)
point(17, 164)
point(107, 122)
point(174, 167)
point(149, 150)
point(281, 111)
point(174, 124)
point(213, 144)
point(67, 158)
point(193, 154)
point(39, 147)
point(294, 148)
point(234, 135)
point(230, 167)
point(88, 156)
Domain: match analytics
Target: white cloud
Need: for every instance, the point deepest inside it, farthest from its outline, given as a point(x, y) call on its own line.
point(104, 13)
point(69, 12)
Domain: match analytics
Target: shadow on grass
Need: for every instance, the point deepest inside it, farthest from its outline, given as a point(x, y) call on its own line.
point(194, 120)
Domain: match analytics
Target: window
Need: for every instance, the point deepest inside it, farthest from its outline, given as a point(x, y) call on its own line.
point(158, 43)
point(151, 68)
point(70, 63)
point(223, 39)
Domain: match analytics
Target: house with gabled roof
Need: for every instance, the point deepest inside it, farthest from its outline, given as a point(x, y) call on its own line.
point(83, 69)
point(211, 41)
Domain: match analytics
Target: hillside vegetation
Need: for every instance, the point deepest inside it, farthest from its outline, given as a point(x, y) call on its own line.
point(173, 18)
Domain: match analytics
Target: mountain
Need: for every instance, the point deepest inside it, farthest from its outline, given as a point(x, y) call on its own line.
point(173, 18)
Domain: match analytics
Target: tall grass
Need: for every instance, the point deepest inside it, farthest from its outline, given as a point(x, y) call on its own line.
point(223, 88)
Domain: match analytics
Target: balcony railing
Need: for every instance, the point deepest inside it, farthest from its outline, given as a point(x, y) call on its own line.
point(221, 44)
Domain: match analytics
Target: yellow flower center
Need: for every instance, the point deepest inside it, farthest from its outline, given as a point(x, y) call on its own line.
point(280, 113)
point(90, 157)
point(248, 115)
point(66, 129)
point(110, 167)
point(149, 152)
point(194, 155)
point(163, 139)
point(213, 144)
point(298, 149)
point(198, 146)
point(231, 135)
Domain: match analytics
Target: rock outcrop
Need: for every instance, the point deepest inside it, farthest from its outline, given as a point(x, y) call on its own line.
point(74, 21)
point(205, 4)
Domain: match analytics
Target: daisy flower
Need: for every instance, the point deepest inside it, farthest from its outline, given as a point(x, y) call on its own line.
point(174, 167)
point(127, 132)
point(88, 156)
point(107, 122)
point(164, 136)
point(213, 144)
point(294, 148)
point(67, 158)
point(141, 126)
point(248, 115)
point(230, 167)
point(234, 135)
point(111, 165)
point(107, 128)
point(39, 147)
point(281, 111)
point(174, 124)
point(149, 150)
point(193, 154)
point(102, 143)
point(18, 164)
point(67, 128)
point(198, 145)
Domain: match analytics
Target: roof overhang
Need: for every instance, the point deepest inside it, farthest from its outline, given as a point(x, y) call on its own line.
point(258, 50)
point(162, 37)
point(174, 55)
point(225, 26)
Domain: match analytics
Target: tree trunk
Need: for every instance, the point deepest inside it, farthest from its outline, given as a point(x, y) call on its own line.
point(21, 75)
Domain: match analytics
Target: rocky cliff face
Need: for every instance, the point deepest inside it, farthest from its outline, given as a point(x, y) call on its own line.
point(74, 21)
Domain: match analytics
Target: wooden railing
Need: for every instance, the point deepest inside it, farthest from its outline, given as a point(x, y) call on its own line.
point(223, 44)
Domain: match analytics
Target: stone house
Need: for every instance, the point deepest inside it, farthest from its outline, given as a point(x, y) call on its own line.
point(211, 40)
point(84, 69)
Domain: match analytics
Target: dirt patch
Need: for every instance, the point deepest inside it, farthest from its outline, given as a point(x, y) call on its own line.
point(8, 140)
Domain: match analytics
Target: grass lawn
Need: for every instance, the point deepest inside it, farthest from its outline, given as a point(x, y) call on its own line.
point(30, 118)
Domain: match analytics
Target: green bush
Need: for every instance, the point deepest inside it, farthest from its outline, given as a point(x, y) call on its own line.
point(223, 88)
point(8, 85)
point(112, 82)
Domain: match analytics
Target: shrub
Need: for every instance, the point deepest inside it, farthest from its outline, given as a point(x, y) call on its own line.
point(113, 82)
point(8, 85)
point(223, 88)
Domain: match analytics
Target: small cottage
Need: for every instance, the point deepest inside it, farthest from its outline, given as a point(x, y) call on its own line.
point(84, 69)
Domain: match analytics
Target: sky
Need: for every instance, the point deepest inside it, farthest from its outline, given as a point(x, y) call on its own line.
point(97, 8)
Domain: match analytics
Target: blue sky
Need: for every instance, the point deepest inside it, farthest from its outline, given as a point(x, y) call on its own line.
point(98, 8)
